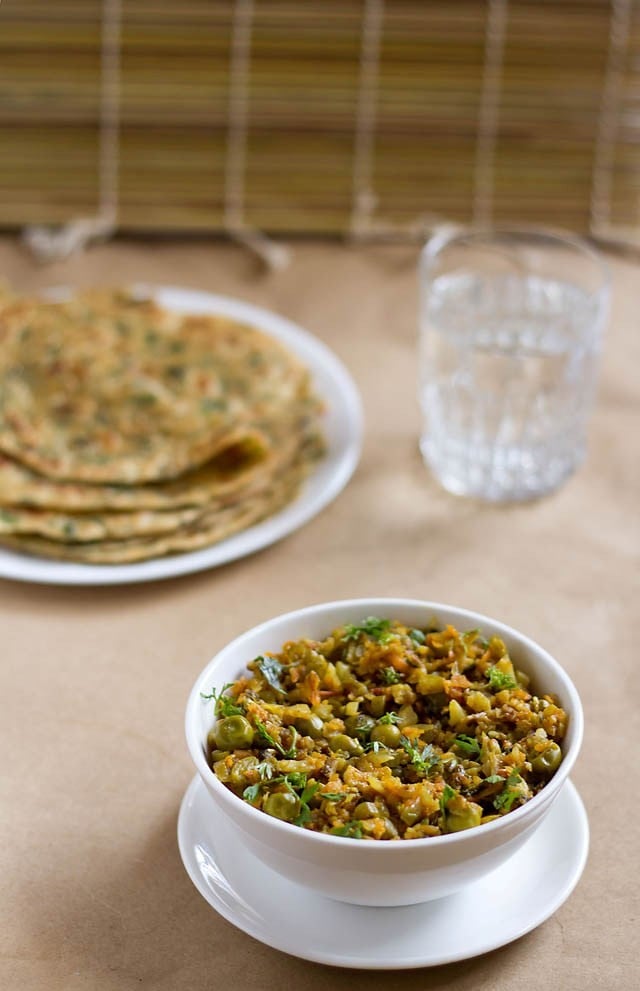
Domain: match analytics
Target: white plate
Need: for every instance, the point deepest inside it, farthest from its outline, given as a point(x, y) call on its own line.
point(501, 907)
point(343, 429)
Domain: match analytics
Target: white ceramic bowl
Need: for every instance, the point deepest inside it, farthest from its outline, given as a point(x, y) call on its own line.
point(379, 873)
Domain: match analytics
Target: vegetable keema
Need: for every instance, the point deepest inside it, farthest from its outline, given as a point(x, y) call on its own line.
point(385, 732)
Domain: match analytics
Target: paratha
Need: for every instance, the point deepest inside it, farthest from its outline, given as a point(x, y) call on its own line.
point(108, 388)
point(89, 527)
point(130, 432)
point(210, 527)
point(236, 469)
point(226, 474)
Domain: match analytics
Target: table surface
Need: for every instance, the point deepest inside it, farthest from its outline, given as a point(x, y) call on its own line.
point(94, 681)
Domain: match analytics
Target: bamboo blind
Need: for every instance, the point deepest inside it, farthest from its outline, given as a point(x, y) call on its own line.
point(326, 116)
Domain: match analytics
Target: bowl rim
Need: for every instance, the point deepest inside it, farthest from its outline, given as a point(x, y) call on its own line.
point(571, 703)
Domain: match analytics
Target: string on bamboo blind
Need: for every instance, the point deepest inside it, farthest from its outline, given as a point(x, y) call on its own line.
point(488, 115)
point(262, 117)
point(364, 198)
point(274, 255)
point(603, 164)
point(51, 244)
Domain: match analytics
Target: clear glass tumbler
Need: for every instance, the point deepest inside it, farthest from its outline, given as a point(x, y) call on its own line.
point(511, 327)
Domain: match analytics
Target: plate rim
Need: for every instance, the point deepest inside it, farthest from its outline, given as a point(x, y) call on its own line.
point(569, 793)
point(321, 361)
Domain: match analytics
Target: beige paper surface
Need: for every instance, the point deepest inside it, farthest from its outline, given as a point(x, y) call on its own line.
point(93, 682)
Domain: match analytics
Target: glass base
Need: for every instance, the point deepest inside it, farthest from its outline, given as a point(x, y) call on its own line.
point(499, 475)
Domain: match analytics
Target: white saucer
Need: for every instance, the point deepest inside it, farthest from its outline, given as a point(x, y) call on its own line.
point(503, 906)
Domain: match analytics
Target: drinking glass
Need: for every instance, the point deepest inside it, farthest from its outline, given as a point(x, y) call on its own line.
point(511, 327)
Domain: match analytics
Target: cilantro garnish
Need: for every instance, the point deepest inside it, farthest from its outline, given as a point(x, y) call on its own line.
point(468, 745)
point(377, 629)
point(332, 796)
point(309, 791)
point(224, 706)
point(390, 676)
point(447, 794)
point(423, 760)
point(389, 718)
point(209, 405)
point(509, 794)
point(470, 636)
point(271, 670)
point(291, 752)
point(352, 829)
point(266, 736)
point(295, 780)
point(303, 817)
point(251, 793)
point(498, 680)
point(372, 745)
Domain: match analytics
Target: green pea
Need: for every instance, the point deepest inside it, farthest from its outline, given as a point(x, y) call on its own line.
point(359, 726)
point(282, 805)
point(233, 733)
point(340, 741)
point(548, 761)
point(461, 814)
point(387, 734)
point(310, 726)
point(365, 810)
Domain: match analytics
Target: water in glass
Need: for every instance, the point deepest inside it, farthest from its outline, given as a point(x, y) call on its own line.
point(508, 369)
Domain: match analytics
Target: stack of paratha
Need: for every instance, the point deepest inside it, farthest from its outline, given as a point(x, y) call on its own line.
point(128, 431)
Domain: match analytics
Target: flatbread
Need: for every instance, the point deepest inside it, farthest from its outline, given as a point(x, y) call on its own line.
point(222, 477)
point(209, 528)
point(89, 527)
point(128, 432)
point(236, 469)
point(107, 388)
